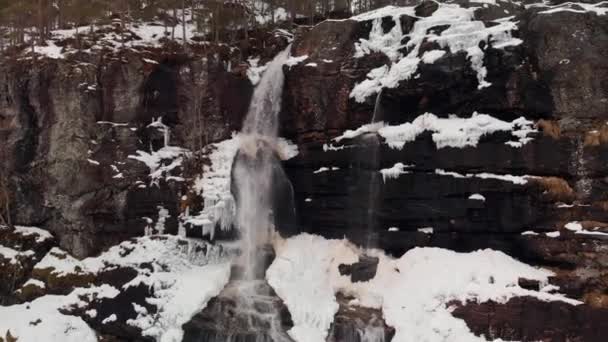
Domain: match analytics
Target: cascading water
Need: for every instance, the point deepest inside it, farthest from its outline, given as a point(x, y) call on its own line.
point(368, 185)
point(256, 163)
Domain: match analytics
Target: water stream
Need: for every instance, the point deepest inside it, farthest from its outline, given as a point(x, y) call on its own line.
point(369, 162)
point(256, 163)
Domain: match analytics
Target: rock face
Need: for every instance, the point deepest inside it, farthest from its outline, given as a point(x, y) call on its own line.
point(69, 128)
point(72, 132)
point(540, 79)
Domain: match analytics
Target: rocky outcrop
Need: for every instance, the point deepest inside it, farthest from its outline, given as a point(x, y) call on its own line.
point(431, 203)
point(69, 127)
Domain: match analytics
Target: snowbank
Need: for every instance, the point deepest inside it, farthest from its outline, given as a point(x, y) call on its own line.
point(41, 320)
point(412, 291)
point(184, 275)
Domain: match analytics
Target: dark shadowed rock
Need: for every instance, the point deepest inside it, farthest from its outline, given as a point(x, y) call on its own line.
point(426, 8)
point(529, 319)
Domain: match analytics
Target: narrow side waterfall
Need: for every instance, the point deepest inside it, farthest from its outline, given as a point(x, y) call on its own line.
point(369, 179)
point(257, 165)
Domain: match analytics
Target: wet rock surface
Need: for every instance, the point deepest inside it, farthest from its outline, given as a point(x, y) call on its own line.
point(243, 312)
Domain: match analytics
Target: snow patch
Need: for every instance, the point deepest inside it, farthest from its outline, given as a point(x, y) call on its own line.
point(477, 197)
point(41, 318)
point(430, 57)
point(395, 171)
point(463, 35)
point(577, 228)
point(518, 180)
point(428, 230)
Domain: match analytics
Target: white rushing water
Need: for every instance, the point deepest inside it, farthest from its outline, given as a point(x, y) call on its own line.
point(253, 168)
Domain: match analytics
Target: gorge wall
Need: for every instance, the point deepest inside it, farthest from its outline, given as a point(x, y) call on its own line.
point(71, 130)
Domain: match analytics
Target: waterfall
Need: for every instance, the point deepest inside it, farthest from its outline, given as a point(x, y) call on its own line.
point(371, 184)
point(256, 165)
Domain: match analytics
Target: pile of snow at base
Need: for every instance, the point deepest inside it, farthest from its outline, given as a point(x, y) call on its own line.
point(463, 34)
point(448, 132)
point(184, 274)
point(40, 320)
point(213, 184)
point(412, 291)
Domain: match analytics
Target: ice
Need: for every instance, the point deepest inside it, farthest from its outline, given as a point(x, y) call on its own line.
point(395, 171)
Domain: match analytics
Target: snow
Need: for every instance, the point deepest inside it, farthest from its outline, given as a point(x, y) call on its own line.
point(577, 228)
point(94, 162)
point(325, 169)
point(292, 61)
point(34, 282)
point(518, 180)
point(312, 65)
point(41, 318)
point(428, 230)
point(187, 295)
point(393, 229)
point(41, 234)
point(109, 319)
point(554, 234)
point(477, 197)
point(367, 128)
point(529, 232)
point(184, 274)
point(214, 184)
point(156, 161)
point(412, 291)
point(431, 56)
point(280, 14)
point(454, 131)
point(13, 256)
point(447, 132)
point(149, 61)
point(463, 35)
point(395, 171)
point(600, 8)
